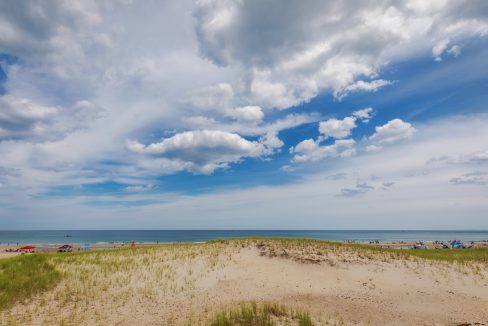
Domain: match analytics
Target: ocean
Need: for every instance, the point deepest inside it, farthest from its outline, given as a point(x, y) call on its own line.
point(169, 236)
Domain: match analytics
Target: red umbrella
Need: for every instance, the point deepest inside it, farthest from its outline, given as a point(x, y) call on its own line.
point(27, 248)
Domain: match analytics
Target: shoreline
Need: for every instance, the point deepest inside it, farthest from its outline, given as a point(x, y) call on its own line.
point(10, 249)
point(152, 243)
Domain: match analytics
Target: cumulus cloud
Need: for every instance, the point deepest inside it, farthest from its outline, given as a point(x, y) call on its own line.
point(252, 129)
point(393, 131)
point(37, 27)
point(310, 150)
point(443, 47)
point(246, 114)
point(364, 114)
point(304, 49)
point(439, 48)
point(201, 151)
point(271, 140)
point(88, 75)
point(337, 128)
point(23, 118)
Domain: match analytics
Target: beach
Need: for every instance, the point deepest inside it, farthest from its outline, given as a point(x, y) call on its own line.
point(243, 163)
point(190, 284)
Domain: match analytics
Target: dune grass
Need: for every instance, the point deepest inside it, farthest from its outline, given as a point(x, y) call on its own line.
point(23, 276)
point(276, 246)
point(160, 272)
point(266, 314)
point(109, 278)
point(477, 255)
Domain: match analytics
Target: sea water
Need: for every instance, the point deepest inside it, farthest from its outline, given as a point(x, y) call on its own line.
point(169, 236)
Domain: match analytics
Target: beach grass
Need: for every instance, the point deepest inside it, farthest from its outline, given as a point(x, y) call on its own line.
point(285, 246)
point(23, 276)
point(76, 285)
point(264, 314)
point(117, 277)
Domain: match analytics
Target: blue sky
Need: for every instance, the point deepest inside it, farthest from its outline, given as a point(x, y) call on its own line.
point(214, 115)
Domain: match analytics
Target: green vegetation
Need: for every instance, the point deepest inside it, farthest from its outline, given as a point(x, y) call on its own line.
point(156, 272)
point(23, 276)
point(267, 314)
point(476, 255)
point(288, 247)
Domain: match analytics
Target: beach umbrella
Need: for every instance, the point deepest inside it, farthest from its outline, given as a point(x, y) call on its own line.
point(66, 246)
point(27, 248)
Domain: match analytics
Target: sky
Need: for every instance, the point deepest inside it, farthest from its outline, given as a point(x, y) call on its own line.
point(244, 114)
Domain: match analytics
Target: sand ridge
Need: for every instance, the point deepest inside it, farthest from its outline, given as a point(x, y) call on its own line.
point(172, 286)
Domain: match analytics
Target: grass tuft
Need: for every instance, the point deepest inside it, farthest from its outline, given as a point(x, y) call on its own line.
point(266, 314)
point(23, 276)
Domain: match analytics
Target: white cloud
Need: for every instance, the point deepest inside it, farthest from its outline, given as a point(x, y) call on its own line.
point(422, 196)
point(361, 85)
point(337, 128)
point(91, 74)
point(304, 50)
point(213, 97)
point(201, 151)
point(455, 50)
point(271, 140)
point(34, 28)
point(439, 48)
point(252, 129)
point(78, 58)
point(364, 114)
point(272, 94)
point(21, 118)
point(442, 47)
point(310, 150)
point(246, 114)
point(393, 131)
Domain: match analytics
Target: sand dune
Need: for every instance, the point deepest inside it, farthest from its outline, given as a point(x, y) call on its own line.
point(188, 284)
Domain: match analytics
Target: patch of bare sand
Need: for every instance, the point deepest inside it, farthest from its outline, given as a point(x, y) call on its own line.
point(378, 293)
point(172, 286)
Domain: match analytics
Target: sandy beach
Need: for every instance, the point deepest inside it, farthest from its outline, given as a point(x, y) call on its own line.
point(188, 284)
